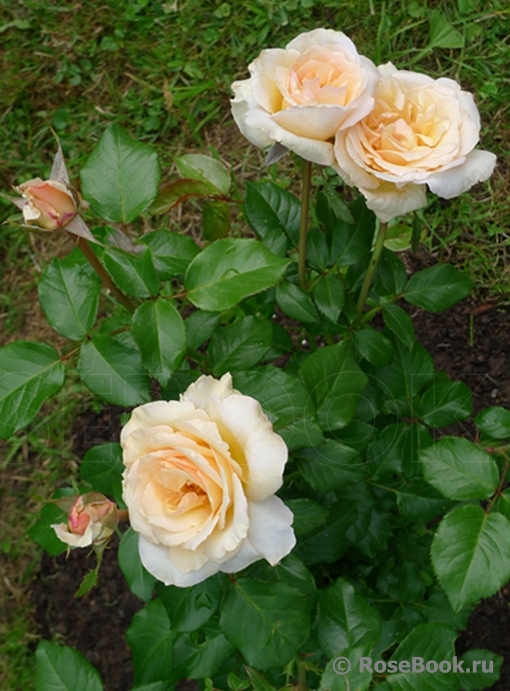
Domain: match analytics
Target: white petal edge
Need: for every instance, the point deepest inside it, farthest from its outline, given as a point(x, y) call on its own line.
point(270, 536)
point(389, 201)
point(478, 167)
point(157, 560)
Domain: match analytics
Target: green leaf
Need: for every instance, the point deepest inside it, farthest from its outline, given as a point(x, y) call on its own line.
point(89, 581)
point(64, 669)
point(69, 295)
point(43, 533)
point(459, 469)
point(140, 581)
point(200, 327)
point(330, 466)
point(228, 271)
point(437, 288)
point(134, 274)
point(329, 542)
point(391, 273)
point(308, 515)
point(329, 296)
point(441, 33)
point(384, 453)
point(408, 373)
point(291, 571)
point(258, 681)
point(30, 373)
point(503, 503)
point(113, 371)
point(428, 642)
point(335, 381)
point(445, 402)
point(208, 170)
point(268, 625)
point(274, 214)
point(345, 673)
point(475, 676)
point(190, 608)
point(404, 583)
point(215, 220)
point(373, 346)
point(205, 659)
point(353, 242)
point(240, 345)
point(150, 638)
point(159, 332)
point(176, 192)
point(121, 176)
point(345, 619)
point(470, 554)
point(400, 323)
point(102, 466)
point(295, 303)
point(171, 252)
point(286, 402)
point(420, 502)
point(494, 423)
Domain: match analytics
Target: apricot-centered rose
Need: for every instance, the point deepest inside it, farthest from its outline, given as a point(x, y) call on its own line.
point(422, 132)
point(302, 95)
point(199, 483)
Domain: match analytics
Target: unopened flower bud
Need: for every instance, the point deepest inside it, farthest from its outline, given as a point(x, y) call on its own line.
point(91, 520)
point(49, 204)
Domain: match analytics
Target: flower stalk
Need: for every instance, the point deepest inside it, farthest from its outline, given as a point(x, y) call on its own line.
point(303, 227)
point(376, 255)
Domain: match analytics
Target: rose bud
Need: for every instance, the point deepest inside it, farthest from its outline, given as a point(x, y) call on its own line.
point(49, 204)
point(91, 520)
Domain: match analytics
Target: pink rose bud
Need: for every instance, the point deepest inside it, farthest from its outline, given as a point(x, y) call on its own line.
point(49, 204)
point(91, 520)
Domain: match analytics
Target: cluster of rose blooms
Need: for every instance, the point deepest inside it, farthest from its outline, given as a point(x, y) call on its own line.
point(391, 133)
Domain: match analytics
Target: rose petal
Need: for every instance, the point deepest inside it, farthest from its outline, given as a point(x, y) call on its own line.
point(478, 167)
point(270, 535)
point(389, 200)
point(160, 562)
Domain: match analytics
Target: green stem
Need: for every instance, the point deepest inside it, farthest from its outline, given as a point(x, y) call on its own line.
point(103, 275)
point(302, 685)
point(303, 228)
point(376, 254)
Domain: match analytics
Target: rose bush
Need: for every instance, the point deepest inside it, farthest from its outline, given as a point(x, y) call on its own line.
point(199, 484)
point(421, 132)
point(302, 95)
point(49, 204)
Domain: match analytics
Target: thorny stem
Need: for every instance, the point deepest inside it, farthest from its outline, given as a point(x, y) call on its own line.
point(103, 275)
point(303, 228)
point(376, 254)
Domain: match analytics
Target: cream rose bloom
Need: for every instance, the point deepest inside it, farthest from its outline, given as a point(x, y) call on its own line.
point(199, 484)
point(421, 133)
point(302, 95)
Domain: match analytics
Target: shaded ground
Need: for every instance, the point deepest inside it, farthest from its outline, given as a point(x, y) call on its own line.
point(470, 342)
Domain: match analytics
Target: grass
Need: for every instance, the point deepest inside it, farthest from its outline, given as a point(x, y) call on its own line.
point(163, 70)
